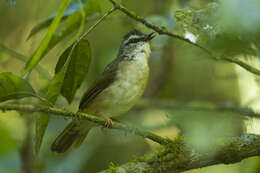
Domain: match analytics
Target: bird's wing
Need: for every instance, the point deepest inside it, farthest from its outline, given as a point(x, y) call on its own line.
point(103, 82)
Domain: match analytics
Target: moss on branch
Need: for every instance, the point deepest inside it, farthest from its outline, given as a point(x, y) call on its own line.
point(179, 157)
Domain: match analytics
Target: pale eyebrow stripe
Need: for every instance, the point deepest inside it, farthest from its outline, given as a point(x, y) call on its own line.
point(130, 38)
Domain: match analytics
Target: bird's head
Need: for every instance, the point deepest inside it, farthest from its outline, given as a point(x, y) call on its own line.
point(135, 42)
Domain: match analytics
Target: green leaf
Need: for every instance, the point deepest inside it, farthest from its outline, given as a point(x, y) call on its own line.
point(77, 69)
point(91, 8)
point(73, 7)
point(41, 26)
point(52, 95)
point(55, 86)
point(14, 87)
point(37, 56)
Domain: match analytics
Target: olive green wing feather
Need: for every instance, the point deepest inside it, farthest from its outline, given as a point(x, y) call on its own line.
point(103, 82)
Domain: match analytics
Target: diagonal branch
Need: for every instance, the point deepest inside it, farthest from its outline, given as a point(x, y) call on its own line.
point(181, 158)
point(164, 31)
point(92, 118)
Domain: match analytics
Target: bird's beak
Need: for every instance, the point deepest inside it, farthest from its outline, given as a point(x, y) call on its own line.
point(149, 36)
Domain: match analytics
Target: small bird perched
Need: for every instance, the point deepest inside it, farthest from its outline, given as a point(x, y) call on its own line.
point(115, 92)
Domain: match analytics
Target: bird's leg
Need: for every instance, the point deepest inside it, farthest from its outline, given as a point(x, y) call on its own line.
point(109, 121)
point(116, 120)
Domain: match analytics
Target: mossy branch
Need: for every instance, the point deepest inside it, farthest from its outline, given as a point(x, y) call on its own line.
point(92, 118)
point(181, 158)
point(164, 31)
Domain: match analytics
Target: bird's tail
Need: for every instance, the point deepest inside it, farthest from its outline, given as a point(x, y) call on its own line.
point(72, 134)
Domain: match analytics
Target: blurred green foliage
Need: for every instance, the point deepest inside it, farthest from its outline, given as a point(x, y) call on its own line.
point(180, 73)
point(215, 27)
point(13, 87)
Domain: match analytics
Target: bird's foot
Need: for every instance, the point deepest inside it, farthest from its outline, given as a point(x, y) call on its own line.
point(109, 121)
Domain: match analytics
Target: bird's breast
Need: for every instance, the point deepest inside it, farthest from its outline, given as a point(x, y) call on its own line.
point(128, 86)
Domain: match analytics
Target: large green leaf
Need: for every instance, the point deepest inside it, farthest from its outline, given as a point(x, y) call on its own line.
point(14, 87)
point(77, 69)
point(37, 56)
point(74, 6)
point(54, 90)
point(55, 87)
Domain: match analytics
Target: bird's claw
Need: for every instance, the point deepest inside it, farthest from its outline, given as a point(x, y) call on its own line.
point(108, 123)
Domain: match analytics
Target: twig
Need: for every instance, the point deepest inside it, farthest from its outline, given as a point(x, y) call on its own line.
point(181, 158)
point(80, 115)
point(94, 26)
point(90, 29)
point(164, 31)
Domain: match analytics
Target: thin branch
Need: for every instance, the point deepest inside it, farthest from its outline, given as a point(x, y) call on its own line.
point(90, 29)
point(80, 115)
point(94, 26)
point(182, 158)
point(164, 31)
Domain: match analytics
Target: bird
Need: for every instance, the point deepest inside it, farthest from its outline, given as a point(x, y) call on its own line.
point(115, 91)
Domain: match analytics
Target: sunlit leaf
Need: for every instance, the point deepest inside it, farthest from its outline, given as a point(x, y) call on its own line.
point(72, 14)
point(38, 54)
point(14, 87)
point(74, 6)
point(77, 69)
point(41, 26)
point(73, 21)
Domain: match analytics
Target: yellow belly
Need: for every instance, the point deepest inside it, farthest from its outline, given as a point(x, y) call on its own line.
point(124, 92)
